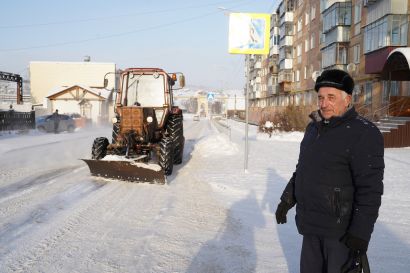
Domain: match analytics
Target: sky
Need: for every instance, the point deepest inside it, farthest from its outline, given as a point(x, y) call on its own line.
point(184, 36)
point(211, 216)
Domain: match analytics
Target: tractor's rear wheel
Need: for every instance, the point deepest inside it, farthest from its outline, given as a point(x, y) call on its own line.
point(166, 155)
point(176, 132)
point(99, 149)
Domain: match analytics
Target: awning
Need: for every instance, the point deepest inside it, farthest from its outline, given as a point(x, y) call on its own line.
point(397, 66)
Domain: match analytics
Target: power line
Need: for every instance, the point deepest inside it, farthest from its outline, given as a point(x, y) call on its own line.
point(107, 36)
point(113, 35)
point(115, 16)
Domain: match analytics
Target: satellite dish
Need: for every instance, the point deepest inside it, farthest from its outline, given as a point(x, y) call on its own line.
point(351, 67)
point(315, 75)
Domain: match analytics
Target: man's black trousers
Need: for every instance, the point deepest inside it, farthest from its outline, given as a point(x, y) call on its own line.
point(322, 255)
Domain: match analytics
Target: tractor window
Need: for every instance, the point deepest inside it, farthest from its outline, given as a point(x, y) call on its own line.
point(146, 90)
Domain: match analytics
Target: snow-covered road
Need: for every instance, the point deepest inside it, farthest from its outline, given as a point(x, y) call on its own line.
point(211, 216)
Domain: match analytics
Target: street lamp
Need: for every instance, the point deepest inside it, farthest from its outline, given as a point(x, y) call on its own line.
point(227, 12)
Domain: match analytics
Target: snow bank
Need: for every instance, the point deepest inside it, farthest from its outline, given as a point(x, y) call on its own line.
point(216, 145)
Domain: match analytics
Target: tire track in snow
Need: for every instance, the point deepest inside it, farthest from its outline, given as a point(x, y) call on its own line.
point(90, 221)
point(39, 247)
point(41, 214)
point(30, 184)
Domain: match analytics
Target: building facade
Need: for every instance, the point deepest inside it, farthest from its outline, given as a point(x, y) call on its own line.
point(358, 36)
point(46, 77)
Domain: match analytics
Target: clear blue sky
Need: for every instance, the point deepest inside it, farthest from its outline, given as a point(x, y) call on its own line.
point(186, 36)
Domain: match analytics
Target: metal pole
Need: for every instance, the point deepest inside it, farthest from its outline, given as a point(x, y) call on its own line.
point(246, 123)
point(389, 93)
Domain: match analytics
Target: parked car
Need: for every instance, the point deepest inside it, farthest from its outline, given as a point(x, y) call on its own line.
point(196, 118)
point(80, 121)
point(46, 123)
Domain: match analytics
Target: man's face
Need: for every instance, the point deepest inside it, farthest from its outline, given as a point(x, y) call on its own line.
point(332, 102)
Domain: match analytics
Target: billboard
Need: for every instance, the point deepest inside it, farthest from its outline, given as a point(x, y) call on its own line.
point(249, 33)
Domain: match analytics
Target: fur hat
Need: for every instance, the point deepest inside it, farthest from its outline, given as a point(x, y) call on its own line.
point(335, 78)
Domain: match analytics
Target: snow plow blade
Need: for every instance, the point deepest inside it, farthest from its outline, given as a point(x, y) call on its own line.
point(126, 170)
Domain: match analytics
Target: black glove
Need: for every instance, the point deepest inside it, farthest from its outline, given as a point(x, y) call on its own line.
point(354, 243)
point(354, 263)
point(357, 260)
point(281, 212)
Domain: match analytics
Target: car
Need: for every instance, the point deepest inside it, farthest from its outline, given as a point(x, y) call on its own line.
point(79, 120)
point(196, 118)
point(46, 123)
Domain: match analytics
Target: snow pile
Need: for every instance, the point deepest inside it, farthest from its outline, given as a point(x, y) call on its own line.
point(151, 166)
point(217, 144)
point(281, 136)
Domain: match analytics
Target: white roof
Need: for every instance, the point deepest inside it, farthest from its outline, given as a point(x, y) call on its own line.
point(403, 50)
point(96, 91)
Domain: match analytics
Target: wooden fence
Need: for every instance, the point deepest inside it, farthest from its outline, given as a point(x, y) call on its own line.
point(399, 137)
point(11, 120)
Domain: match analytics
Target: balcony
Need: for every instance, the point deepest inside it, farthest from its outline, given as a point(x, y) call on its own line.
point(285, 87)
point(257, 65)
point(286, 41)
point(286, 64)
point(367, 3)
point(285, 76)
point(274, 50)
point(337, 35)
point(287, 17)
point(331, 2)
point(272, 89)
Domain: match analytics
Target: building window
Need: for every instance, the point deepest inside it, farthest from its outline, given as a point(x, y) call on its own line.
point(338, 14)
point(297, 76)
point(357, 12)
point(312, 12)
point(390, 30)
point(368, 88)
point(299, 53)
point(305, 73)
point(299, 26)
point(394, 90)
point(306, 18)
point(307, 45)
point(334, 54)
point(356, 54)
point(312, 41)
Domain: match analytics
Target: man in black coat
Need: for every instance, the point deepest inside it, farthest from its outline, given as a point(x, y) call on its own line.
point(56, 120)
point(338, 181)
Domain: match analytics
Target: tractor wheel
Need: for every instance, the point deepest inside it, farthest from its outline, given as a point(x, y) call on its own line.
point(166, 159)
point(176, 132)
point(99, 149)
point(115, 131)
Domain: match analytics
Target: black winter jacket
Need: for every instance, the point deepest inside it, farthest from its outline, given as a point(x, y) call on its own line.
point(338, 182)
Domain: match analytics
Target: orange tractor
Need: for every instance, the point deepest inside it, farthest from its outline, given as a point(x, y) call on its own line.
point(147, 136)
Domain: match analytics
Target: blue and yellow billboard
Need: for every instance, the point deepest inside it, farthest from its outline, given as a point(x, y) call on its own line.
point(249, 33)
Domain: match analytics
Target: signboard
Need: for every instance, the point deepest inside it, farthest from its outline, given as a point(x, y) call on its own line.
point(249, 33)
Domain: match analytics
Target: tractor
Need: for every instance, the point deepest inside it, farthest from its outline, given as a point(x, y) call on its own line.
point(147, 135)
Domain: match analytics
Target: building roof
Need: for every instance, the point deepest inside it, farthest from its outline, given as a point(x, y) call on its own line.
point(100, 92)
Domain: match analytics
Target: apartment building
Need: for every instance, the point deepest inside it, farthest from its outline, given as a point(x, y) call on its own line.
point(263, 89)
point(385, 31)
point(367, 38)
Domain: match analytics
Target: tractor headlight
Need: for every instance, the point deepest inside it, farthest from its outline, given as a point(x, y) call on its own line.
point(114, 120)
point(149, 119)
